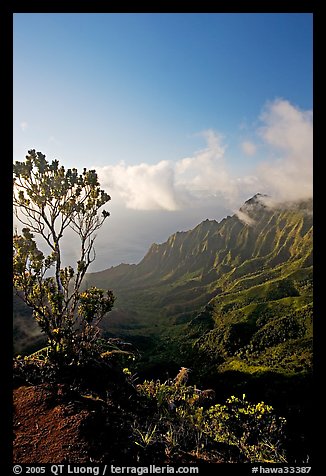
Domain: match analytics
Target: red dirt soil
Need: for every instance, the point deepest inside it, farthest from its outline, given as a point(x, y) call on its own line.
point(54, 424)
point(46, 431)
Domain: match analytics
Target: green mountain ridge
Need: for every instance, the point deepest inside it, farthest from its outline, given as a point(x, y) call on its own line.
point(214, 260)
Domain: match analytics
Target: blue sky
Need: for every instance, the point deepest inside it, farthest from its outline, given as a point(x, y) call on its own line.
point(183, 115)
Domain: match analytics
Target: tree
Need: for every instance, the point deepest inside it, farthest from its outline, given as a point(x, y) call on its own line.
point(48, 200)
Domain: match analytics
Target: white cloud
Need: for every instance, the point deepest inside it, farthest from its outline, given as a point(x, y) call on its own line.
point(173, 185)
point(288, 128)
point(23, 126)
point(288, 131)
point(142, 187)
point(248, 148)
point(206, 172)
point(205, 177)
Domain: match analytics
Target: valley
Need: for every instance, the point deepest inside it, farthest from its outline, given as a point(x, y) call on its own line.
point(231, 300)
point(228, 290)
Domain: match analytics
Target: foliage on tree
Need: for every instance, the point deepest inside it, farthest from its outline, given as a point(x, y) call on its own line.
point(48, 200)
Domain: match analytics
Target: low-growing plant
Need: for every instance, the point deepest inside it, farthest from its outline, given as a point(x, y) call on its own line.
point(253, 429)
point(187, 420)
point(145, 438)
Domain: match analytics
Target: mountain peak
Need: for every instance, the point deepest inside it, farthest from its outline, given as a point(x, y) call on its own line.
point(258, 201)
point(257, 198)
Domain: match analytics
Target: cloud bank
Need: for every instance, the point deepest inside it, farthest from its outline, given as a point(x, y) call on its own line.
point(284, 171)
point(289, 134)
point(143, 186)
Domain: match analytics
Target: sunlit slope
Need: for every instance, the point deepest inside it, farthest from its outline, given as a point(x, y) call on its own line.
point(215, 259)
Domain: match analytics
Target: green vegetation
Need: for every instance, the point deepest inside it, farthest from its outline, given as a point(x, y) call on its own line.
point(186, 420)
point(256, 278)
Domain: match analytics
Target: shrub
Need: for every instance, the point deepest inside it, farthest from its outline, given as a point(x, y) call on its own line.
point(187, 420)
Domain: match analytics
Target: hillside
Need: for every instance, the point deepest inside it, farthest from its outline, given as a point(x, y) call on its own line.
point(231, 300)
point(244, 270)
point(204, 282)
